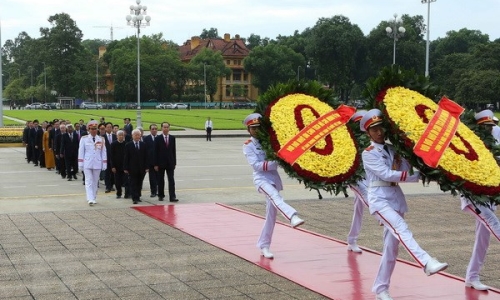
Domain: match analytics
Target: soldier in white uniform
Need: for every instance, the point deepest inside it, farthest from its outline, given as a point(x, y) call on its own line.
point(486, 221)
point(92, 160)
point(384, 169)
point(268, 182)
point(360, 201)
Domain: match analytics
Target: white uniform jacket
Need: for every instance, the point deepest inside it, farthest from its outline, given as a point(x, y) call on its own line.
point(382, 174)
point(92, 155)
point(263, 170)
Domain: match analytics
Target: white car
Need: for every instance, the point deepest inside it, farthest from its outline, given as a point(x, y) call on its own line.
point(180, 106)
point(35, 105)
point(164, 106)
point(90, 105)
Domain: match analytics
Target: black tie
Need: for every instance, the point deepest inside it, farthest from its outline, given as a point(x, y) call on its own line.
point(137, 145)
point(93, 138)
point(386, 149)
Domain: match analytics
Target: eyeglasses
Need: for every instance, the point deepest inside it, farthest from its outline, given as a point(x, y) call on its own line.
point(92, 128)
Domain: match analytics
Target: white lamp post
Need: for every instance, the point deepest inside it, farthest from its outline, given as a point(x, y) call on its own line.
point(137, 13)
point(428, 30)
point(298, 73)
point(97, 81)
point(395, 33)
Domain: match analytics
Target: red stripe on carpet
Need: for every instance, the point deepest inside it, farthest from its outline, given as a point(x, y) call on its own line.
point(316, 262)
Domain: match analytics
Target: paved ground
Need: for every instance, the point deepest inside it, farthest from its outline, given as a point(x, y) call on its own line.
point(54, 246)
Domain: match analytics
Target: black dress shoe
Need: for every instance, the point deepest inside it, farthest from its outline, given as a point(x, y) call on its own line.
point(74, 176)
point(139, 200)
point(126, 197)
point(35, 165)
point(161, 198)
point(174, 200)
point(152, 195)
point(107, 191)
point(70, 179)
point(63, 176)
point(135, 202)
point(118, 196)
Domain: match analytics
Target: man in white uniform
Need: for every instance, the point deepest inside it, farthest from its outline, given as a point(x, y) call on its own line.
point(92, 160)
point(268, 182)
point(486, 220)
point(384, 169)
point(360, 201)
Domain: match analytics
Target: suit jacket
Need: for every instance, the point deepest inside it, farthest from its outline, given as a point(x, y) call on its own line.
point(117, 155)
point(128, 129)
point(69, 147)
point(150, 145)
point(108, 144)
point(135, 160)
point(80, 133)
point(26, 131)
point(165, 157)
point(36, 136)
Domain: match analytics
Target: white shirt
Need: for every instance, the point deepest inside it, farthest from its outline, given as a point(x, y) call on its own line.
point(209, 124)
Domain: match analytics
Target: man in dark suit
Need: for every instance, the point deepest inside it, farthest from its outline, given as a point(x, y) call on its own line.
point(69, 152)
point(109, 138)
point(57, 150)
point(26, 132)
point(153, 174)
point(135, 164)
point(52, 135)
point(127, 127)
point(165, 161)
point(32, 138)
point(116, 164)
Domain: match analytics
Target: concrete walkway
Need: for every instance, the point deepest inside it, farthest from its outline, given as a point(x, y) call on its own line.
point(54, 246)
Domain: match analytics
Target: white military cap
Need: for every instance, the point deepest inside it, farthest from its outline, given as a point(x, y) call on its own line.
point(252, 120)
point(371, 118)
point(92, 123)
point(484, 117)
point(358, 115)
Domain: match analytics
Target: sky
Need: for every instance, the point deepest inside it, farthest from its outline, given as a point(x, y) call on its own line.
point(180, 20)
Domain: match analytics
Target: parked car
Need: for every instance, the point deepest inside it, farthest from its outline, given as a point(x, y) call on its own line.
point(164, 106)
point(180, 106)
point(52, 105)
point(35, 105)
point(131, 106)
point(243, 104)
point(90, 105)
point(111, 105)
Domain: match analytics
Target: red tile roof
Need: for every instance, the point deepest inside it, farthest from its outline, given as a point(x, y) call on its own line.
point(229, 48)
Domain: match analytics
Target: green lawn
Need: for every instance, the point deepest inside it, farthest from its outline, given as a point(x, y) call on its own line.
point(222, 118)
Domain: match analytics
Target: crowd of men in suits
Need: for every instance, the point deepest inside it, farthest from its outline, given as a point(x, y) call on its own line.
point(129, 154)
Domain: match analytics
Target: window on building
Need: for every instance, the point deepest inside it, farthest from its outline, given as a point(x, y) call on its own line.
point(245, 76)
point(246, 91)
point(228, 62)
point(228, 91)
point(228, 77)
point(237, 75)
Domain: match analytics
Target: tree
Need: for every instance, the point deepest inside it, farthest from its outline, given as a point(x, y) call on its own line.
point(255, 40)
point(338, 49)
point(272, 64)
point(214, 69)
point(212, 33)
point(478, 87)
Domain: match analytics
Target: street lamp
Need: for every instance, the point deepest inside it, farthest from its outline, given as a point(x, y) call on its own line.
point(137, 13)
point(205, 81)
point(97, 81)
point(298, 73)
point(427, 29)
point(395, 33)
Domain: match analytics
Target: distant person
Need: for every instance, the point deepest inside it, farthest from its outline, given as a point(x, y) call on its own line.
point(268, 182)
point(127, 127)
point(135, 164)
point(166, 161)
point(69, 152)
point(47, 149)
point(209, 126)
point(92, 160)
point(153, 174)
point(116, 164)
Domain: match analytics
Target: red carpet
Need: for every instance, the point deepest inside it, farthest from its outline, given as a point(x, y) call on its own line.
point(317, 262)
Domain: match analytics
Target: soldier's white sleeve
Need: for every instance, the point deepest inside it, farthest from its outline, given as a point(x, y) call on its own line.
point(373, 164)
point(104, 158)
point(81, 153)
point(256, 163)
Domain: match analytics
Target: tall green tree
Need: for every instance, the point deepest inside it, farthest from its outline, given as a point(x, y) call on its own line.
point(213, 62)
point(338, 48)
point(272, 64)
point(211, 33)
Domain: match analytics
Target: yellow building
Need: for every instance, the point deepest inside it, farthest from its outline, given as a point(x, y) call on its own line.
point(233, 51)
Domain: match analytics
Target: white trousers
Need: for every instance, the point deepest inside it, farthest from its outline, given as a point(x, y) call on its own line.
point(91, 182)
point(395, 231)
point(486, 223)
point(360, 202)
point(274, 203)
